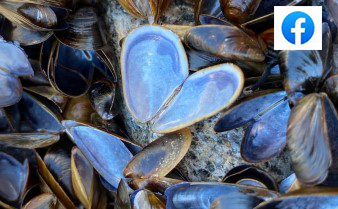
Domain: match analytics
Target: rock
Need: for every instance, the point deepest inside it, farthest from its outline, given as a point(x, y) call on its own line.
point(211, 154)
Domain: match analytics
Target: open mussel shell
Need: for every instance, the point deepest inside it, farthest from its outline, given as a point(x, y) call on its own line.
point(146, 199)
point(102, 95)
point(35, 111)
point(30, 131)
point(301, 71)
point(238, 11)
point(58, 161)
point(169, 107)
point(207, 7)
point(51, 185)
point(308, 138)
point(69, 70)
point(84, 31)
point(150, 9)
point(160, 58)
point(10, 69)
point(202, 195)
point(160, 157)
point(333, 8)
point(20, 66)
point(34, 16)
point(251, 176)
point(42, 201)
point(266, 114)
point(14, 177)
point(113, 156)
point(85, 182)
point(209, 90)
point(308, 198)
point(228, 42)
point(25, 37)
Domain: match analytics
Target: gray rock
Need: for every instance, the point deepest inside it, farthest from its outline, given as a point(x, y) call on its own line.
point(211, 154)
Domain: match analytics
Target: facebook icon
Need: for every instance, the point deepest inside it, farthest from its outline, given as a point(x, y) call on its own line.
point(298, 28)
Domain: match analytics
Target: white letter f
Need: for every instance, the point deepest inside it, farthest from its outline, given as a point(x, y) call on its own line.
point(298, 30)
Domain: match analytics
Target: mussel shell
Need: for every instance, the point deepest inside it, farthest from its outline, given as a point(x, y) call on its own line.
point(229, 42)
point(69, 70)
point(38, 116)
point(57, 159)
point(332, 127)
point(160, 57)
point(159, 157)
point(113, 156)
point(201, 195)
point(301, 71)
point(261, 146)
point(42, 16)
point(85, 182)
point(200, 60)
point(266, 114)
point(209, 91)
point(50, 185)
point(25, 37)
point(29, 16)
point(102, 95)
point(308, 138)
point(246, 174)
point(20, 66)
point(14, 177)
point(84, 31)
point(238, 11)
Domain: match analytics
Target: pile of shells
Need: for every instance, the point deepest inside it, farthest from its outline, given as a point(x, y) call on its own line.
point(60, 79)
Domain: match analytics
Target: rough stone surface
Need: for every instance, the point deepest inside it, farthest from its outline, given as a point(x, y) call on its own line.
point(211, 154)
